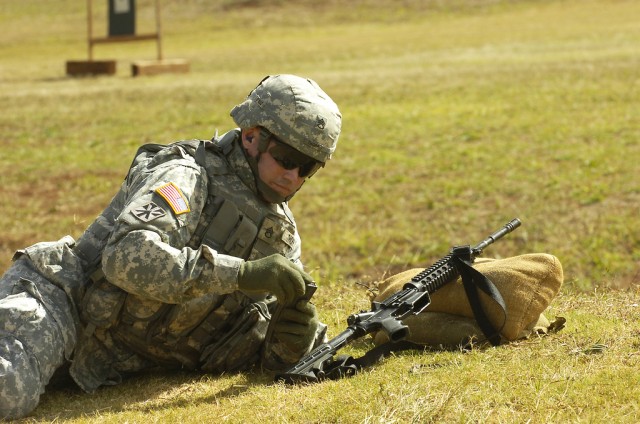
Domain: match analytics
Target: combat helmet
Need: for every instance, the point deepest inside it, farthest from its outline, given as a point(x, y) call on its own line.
point(295, 110)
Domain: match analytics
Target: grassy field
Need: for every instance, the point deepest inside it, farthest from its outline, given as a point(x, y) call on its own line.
point(458, 116)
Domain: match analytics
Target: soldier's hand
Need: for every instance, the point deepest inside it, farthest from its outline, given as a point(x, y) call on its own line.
point(274, 274)
point(297, 327)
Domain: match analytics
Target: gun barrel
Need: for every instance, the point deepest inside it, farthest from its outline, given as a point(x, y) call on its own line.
point(509, 227)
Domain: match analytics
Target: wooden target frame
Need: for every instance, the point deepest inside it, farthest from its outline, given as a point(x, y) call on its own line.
point(108, 67)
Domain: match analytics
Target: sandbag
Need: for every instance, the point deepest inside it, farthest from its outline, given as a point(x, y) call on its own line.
point(528, 283)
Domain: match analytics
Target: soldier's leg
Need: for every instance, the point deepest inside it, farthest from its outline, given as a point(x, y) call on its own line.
point(32, 345)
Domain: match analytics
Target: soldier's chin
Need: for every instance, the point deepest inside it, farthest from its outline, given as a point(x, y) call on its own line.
point(284, 192)
point(272, 196)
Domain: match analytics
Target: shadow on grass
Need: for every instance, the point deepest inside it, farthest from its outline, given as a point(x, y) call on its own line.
point(144, 392)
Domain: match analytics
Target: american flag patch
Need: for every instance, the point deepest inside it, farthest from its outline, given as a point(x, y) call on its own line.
point(174, 197)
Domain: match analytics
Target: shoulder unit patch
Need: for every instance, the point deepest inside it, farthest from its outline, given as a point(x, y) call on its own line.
point(174, 197)
point(148, 212)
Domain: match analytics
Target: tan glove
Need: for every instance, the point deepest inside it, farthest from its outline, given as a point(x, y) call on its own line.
point(274, 274)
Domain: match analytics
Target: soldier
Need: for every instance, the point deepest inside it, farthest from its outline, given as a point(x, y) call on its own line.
point(185, 266)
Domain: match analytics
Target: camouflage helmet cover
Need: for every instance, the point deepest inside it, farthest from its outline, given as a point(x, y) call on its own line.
point(296, 110)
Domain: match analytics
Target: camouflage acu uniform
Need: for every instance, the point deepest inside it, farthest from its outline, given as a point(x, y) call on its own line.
point(153, 281)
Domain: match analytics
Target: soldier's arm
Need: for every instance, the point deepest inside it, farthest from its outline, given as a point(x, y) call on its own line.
point(146, 254)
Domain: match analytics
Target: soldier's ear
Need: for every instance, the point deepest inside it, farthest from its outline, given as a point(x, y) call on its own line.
point(249, 138)
point(249, 134)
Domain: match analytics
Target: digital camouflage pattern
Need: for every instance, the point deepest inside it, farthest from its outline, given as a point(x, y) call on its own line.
point(297, 111)
point(157, 296)
point(37, 335)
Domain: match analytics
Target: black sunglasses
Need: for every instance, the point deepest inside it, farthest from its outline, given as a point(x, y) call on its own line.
point(306, 168)
point(290, 158)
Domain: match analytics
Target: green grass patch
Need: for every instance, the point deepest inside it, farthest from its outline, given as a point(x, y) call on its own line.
point(458, 116)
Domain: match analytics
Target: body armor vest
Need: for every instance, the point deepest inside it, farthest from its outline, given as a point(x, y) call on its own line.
point(214, 333)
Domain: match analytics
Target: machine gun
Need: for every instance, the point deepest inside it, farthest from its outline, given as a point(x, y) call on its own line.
point(387, 315)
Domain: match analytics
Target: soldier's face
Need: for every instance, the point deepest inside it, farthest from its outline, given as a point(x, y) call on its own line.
point(284, 181)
